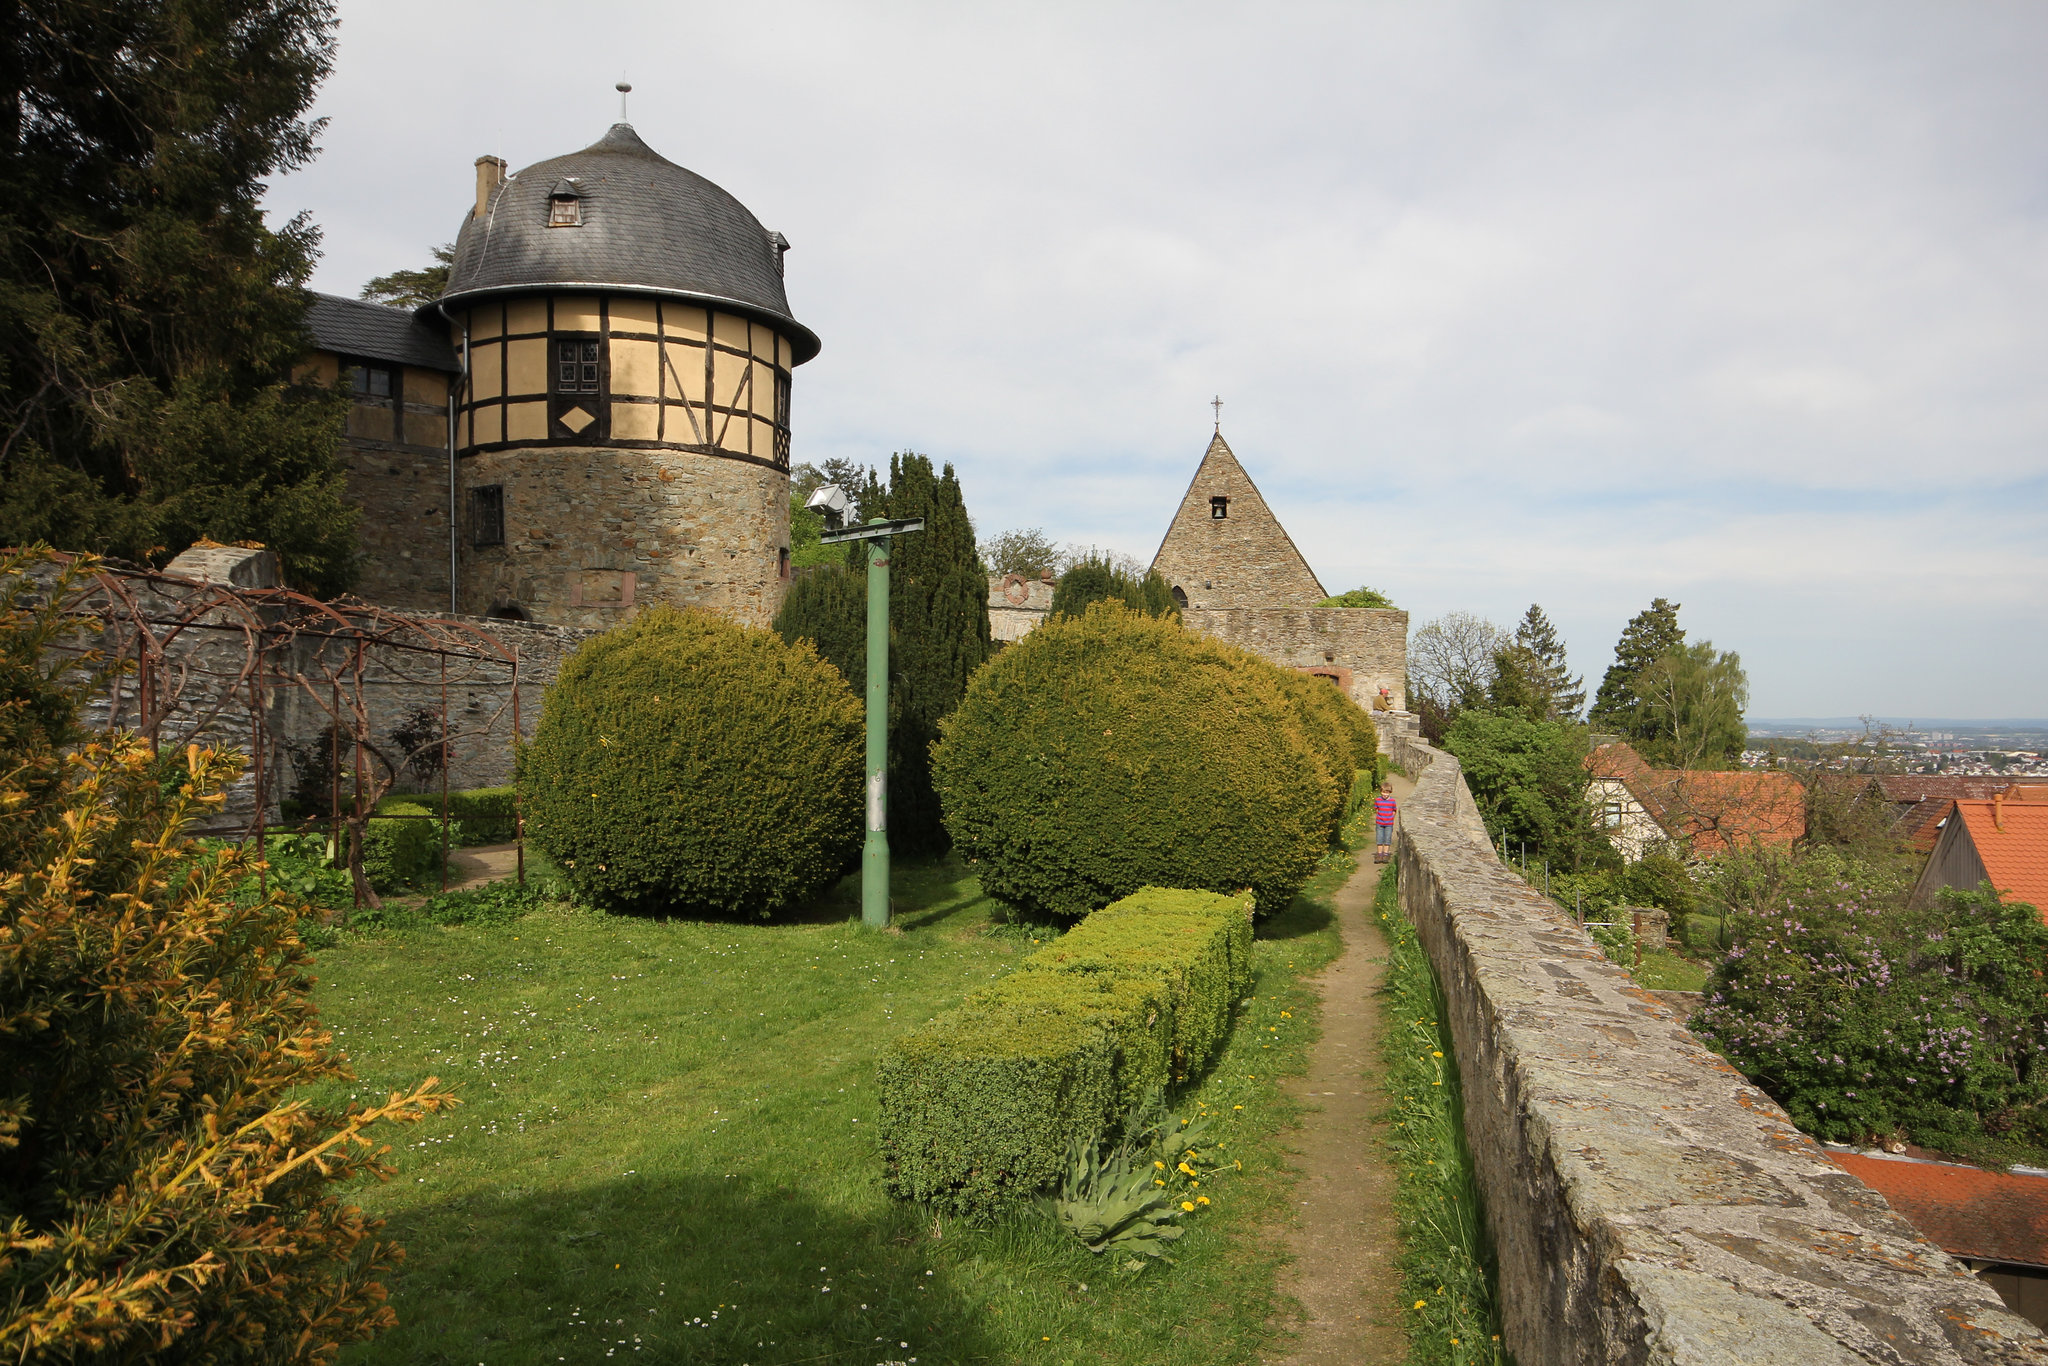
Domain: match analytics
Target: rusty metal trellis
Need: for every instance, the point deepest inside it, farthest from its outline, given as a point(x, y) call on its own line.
point(197, 661)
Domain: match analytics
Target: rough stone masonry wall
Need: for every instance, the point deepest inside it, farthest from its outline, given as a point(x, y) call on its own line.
point(1646, 1203)
point(1366, 648)
point(591, 534)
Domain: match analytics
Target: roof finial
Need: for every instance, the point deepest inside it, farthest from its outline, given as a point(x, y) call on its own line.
point(1217, 404)
point(625, 88)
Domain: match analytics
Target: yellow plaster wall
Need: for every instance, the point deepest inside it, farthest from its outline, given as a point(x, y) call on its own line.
point(526, 315)
point(682, 320)
point(636, 421)
point(526, 366)
point(729, 330)
point(484, 322)
point(425, 386)
point(485, 372)
point(634, 315)
point(635, 366)
point(526, 421)
point(489, 426)
point(576, 314)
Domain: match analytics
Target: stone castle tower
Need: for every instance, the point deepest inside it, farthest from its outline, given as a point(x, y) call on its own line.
point(621, 412)
point(1225, 548)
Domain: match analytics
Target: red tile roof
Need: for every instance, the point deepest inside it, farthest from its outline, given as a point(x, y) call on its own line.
point(2011, 838)
point(1968, 1212)
point(1924, 787)
point(1618, 760)
point(1710, 810)
point(1717, 811)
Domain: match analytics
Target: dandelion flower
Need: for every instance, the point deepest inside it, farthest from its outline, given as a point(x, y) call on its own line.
point(1422, 1304)
point(1436, 1054)
point(1201, 1199)
point(1160, 1165)
point(1188, 1205)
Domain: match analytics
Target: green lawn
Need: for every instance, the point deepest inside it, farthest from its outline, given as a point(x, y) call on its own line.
point(668, 1147)
point(1663, 971)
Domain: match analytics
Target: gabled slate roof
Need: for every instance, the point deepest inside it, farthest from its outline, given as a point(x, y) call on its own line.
point(367, 331)
point(648, 226)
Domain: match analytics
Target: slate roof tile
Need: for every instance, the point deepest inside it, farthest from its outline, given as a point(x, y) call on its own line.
point(648, 225)
point(353, 327)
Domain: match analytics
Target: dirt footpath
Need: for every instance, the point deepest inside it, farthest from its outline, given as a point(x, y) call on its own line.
point(1346, 1238)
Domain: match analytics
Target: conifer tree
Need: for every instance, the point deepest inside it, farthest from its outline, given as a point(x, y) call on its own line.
point(1565, 694)
point(149, 317)
point(938, 617)
point(938, 629)
point(1650, 635)
point(1094, 579)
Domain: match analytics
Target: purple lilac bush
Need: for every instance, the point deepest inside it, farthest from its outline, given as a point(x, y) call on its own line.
point(1864, 1019)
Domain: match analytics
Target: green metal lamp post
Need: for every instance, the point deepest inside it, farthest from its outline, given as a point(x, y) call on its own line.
point(874, 854)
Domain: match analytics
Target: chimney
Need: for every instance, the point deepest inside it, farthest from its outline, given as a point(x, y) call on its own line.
point(1998, 808)
point(490, 174)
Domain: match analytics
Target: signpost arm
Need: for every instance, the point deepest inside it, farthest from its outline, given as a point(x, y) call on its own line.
point(874, 857)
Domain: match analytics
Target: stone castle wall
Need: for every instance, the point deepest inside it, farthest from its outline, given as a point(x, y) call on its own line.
point(591, 534)
point(395, 451)
point(207, 692)
point(1646, 1203)
point(1016, 605)
point(1363, 648)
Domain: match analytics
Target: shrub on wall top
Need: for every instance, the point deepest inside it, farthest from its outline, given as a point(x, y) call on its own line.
point(686, 763)
point(1112, 751)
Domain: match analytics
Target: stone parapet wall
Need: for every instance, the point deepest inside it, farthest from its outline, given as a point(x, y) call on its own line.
point(1363, 648)
point(1646, 1203)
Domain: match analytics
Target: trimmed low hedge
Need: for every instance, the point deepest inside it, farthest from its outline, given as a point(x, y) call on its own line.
point(1113, 751)
point(477, 815)
point(398, 855)
point(979, 1107)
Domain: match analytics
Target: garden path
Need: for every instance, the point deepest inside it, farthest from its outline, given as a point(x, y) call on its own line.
point(1347, 1237)
point(481, 863)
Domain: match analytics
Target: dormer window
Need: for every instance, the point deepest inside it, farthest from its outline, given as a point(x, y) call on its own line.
point(1219, 508)
point(565, 205)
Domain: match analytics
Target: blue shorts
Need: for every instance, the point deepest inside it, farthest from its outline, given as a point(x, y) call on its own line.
point(1383, 834)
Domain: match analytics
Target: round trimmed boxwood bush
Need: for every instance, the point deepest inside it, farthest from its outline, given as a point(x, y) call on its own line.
point(1113, 751)
point(1332, 723)
point(686, 764)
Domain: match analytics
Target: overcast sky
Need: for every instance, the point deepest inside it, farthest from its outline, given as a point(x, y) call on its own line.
point(1745, 305)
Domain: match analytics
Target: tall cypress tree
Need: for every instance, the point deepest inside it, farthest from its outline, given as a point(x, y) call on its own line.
point(938, 630)
point(149, 317)
point(938, 617)
point(1650, 635)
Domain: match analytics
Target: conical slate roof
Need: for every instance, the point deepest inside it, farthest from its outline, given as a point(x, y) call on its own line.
point(648, 226)
point(1242, 559)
